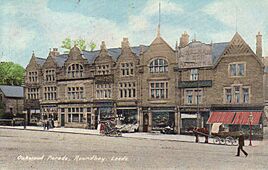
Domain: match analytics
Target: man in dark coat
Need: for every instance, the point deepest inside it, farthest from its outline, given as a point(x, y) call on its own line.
point(241, 143)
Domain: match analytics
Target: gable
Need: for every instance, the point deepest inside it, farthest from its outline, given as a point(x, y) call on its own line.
point(49, 62)
point(35, 63)
point(159, 44)
point(237, 46)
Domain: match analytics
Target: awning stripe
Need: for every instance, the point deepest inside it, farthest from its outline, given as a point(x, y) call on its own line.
point(221, 117)
point(242, 118)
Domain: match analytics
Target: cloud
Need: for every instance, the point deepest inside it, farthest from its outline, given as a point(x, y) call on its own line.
point(56, 26)
point(152, 8)
point(15, 37)
point(143, 21)
point(247, 15)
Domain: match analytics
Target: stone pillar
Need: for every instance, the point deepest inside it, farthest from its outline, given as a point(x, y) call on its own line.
point(198, 120)
point(179, 121)
point(140, 119)
point(150, 115)
point(176, 120)
point(93, 118)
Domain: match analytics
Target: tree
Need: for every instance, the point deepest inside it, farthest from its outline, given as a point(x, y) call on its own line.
point(11, 73)
point(67, 44)
point(80, 43)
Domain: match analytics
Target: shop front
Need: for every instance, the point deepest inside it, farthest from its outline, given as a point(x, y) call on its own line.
point(239, 120)
point(103, 111)
point(192, 119)
point(158, 119)
point(127, 116)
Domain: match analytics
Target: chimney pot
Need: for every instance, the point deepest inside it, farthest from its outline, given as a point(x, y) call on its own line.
point(259, 44)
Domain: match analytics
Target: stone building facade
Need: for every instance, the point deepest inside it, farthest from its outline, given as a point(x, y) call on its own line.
point(153, 86)
point(11, 100)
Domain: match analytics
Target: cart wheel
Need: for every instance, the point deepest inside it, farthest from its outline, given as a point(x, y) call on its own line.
point(235, 142)
point(222, 141)
point(229, 141)
point(216, 140)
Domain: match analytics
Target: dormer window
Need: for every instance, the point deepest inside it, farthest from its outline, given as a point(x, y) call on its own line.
point(75, 71)
point(158, 66)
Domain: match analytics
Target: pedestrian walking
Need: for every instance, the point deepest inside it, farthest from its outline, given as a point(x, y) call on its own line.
point(48, 124)
point(241, 143)
point(44, 124)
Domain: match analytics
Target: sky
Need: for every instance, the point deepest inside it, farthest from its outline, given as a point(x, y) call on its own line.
point(38, 25)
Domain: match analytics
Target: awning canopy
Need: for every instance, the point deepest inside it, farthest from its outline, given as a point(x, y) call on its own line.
point(237, 118)
point(242, 118)
point(221, 117)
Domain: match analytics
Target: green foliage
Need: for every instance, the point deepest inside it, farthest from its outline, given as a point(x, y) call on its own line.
point(11, 73)
point(68, 43)
point(92, 46)
point(81, 44)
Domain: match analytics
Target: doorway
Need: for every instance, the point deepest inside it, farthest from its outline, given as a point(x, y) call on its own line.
point(145, 123)
point(62, 123)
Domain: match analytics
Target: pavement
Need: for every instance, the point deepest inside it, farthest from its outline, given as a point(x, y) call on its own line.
point(136, 135)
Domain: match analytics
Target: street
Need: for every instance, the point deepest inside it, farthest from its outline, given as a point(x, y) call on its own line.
point(20, 149)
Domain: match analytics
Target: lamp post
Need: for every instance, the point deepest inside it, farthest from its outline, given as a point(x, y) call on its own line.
point(250, 118)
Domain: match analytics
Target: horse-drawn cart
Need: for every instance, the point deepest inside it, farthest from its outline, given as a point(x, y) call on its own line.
point(219, 135)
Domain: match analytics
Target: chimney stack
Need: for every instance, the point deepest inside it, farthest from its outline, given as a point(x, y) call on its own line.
point(54, 52)
point(184, 40)
point(125, 43)
point(259, 44)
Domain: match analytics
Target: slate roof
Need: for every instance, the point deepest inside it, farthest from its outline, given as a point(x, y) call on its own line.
point(91, 55)
point(40, 61)
point(217, 50)
point(12, 91)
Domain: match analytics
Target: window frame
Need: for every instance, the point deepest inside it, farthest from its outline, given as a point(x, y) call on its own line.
point(156, 67)
point(237, 69)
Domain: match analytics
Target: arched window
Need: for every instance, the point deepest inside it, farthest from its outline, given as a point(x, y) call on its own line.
point(75, 71)
point(158, 66)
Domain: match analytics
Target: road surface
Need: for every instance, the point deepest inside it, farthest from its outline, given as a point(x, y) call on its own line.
point(20, 149)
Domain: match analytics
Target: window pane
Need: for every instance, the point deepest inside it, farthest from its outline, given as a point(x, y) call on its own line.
point(241, 69)
point(233, 69)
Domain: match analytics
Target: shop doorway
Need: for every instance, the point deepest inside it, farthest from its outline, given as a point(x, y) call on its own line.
point(62, 122)
point(145, 123)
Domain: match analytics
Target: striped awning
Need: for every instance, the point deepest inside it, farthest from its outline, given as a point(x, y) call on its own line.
point(221, 117)
point(242, 118)
point(236, 118)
